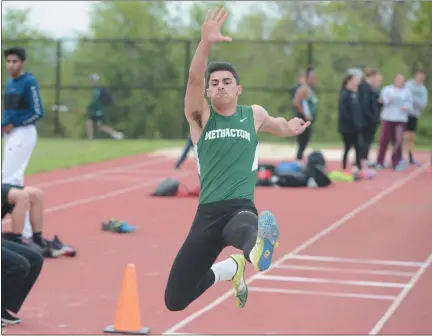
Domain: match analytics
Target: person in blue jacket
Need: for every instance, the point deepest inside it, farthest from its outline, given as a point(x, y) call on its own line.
point(23, 108)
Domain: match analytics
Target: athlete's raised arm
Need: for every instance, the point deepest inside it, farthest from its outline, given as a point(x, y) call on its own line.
point(195, 103)
point(277, 126)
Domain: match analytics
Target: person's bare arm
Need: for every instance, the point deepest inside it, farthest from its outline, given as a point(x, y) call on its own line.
point(195, 104)
point(299, 96)
point(277, 126)
point(196, 108)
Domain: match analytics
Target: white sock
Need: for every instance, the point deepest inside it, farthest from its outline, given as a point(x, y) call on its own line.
point(224, 270)
point(251, 256)
point(27, 230)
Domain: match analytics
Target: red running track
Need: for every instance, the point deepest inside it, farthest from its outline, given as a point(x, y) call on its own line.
point(353, 259)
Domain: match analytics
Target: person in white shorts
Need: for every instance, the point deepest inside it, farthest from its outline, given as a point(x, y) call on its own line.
point(22, 109)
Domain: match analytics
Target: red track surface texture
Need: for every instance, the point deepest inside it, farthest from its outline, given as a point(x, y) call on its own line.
point(354, 258)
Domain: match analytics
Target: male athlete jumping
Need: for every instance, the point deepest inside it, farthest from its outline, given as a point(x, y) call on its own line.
point(226, 145)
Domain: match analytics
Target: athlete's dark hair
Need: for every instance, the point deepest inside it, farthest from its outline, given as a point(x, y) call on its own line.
point(309, 70)
point(368, 72)
point(221, 66)
point(17, 51)
point(345, 81)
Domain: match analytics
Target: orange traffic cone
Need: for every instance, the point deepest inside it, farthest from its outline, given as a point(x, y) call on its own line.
point(128, 317)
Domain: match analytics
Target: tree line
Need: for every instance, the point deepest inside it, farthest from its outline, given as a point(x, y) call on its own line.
point(142, 51)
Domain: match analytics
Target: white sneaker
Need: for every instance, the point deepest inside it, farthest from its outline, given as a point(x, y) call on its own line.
point(118, 136)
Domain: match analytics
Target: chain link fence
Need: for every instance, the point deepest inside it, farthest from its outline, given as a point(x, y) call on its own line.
point(147, 78)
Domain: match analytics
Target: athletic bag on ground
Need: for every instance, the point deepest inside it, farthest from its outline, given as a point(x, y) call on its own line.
point(172, 187)
point(167, 187)
point(316, 158)
point(265, 175)
point(293, 180)
point(317, 177)
point(286, 167)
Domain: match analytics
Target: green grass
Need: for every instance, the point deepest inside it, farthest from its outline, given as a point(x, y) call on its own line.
point(51, 154)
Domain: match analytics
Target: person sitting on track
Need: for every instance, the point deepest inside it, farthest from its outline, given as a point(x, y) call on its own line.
point(20, 265)
point(49, 248)
point(16, 199)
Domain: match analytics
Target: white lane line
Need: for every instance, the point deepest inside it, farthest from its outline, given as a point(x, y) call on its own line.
point(399, 299)
point(351, 214)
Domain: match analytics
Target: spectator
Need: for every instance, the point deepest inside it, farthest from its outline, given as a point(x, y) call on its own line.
point(420, 101)
point(21, 265)
point(305, 104)
point(397, 101)
point(300, 81)
point(350, 121)
point(368, 96)
point(23, 108)
point(14, 200)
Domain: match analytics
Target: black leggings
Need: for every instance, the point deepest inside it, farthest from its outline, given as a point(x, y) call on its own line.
point(216, 226)
point(302, 142)
point(20, 268)
point(368, 136)
point(350, 140)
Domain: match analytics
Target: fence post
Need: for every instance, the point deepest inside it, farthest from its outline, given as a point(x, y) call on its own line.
point(58, 130)
point(188, 46)
point(310, 53)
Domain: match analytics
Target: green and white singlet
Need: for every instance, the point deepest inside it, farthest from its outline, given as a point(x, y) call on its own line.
point(309, 105)
point(312, 102)
point(227, 156)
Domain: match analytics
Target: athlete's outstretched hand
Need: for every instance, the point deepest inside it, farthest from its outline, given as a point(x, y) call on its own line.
point(298, 125)
point(211, 29)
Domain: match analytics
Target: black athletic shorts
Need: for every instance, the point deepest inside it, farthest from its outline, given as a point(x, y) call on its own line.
point(7, 207)
point(213, 217)
point(98, 118)
point(411, 125)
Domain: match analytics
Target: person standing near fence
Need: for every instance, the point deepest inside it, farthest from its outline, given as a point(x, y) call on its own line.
point(350, 120)
point(368, 96)
point(22, 109)
point(96, 114)
point(420, 101)
point(300, 81)
point(305, 107)
point(397, 101)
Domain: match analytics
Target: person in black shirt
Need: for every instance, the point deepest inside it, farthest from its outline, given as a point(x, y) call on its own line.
point(350, 121)
point(20, 264)
point(368, 96)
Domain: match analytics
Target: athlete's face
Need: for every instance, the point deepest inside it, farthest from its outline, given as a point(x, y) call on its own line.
point(223, 88)
point(312, 79)
point(399, 80)
point(420, 77)
point(376, 80)
point(354, 83)
point(13, 65)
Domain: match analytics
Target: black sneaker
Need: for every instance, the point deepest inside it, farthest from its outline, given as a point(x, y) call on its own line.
point(8, 318)
point(57, 248)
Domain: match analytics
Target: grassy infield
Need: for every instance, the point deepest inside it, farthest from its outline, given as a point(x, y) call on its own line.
point(51, 154)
